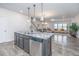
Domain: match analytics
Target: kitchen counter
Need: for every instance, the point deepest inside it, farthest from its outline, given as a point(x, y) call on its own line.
point(40, 35)
point(35, 43)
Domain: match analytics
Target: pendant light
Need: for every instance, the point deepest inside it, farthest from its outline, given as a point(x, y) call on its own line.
point(29, 19)
point(28, 13)
point(42, 15)
point(34, 19)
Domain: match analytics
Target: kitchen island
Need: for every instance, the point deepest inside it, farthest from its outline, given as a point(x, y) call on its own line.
point(34, 43)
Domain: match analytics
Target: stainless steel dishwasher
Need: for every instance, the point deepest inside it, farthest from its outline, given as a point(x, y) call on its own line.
point(40, 47)
point(35, 47)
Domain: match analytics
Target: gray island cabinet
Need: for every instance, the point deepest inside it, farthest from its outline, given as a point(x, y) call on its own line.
point(35, 44)
point(22, 41)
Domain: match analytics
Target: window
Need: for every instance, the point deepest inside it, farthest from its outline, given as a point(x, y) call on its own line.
point(60, 26)
point(55, 26)
point(65, 26)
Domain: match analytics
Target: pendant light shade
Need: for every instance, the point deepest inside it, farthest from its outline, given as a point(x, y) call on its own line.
point(42, 16)
point(28, 13)
point(34, 19)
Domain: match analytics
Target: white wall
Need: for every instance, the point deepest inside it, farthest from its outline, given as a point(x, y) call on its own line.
point(11, 22)
point(76, 19)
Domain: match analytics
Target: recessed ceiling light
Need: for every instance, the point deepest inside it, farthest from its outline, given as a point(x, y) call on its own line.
point(52, 19)
point(21, 11)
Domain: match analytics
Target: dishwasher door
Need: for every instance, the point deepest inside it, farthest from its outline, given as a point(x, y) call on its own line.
point(35, 48)
point(40, 47)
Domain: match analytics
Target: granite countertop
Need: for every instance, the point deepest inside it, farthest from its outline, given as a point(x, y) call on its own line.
point(40, 35)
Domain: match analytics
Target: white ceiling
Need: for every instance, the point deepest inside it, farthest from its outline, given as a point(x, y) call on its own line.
point(51, 10)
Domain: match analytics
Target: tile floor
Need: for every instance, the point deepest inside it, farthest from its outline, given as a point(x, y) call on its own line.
point(62, 45)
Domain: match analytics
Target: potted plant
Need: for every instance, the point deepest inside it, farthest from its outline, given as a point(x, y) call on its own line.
point(73, 28)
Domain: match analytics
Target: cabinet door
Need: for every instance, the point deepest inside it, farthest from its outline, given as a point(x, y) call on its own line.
point(15, 38)
point(27, 44)
point(21, 42)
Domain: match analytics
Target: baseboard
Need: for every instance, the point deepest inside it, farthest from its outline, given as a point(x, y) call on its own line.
point(7, 41)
